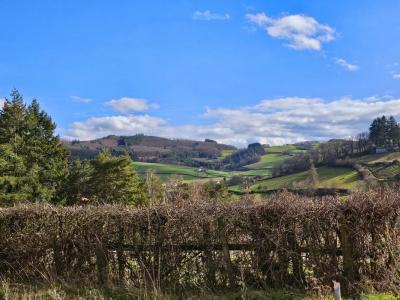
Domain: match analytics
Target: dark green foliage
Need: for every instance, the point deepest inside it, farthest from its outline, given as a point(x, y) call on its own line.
point(256, 147)
point(210, 141)
point(33, 161)
point(385, 132)
point(105, 179)
point(130, 140)
point(114, 180)
point(77, 185)
point(244, 157)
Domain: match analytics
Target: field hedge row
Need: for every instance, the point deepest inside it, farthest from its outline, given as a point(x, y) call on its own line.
point(285, 241)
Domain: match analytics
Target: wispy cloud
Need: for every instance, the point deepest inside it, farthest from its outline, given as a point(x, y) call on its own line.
point(396, 76)
point(2, 100)
point(300, 31)
point(272, 121)
point(126, 104)
point(209, 16)
point(343, 63)
point(81, 99)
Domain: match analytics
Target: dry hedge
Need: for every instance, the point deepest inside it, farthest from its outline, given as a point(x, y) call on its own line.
point(285, 241)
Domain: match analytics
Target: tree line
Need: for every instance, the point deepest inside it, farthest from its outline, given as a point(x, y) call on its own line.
point(384, 132)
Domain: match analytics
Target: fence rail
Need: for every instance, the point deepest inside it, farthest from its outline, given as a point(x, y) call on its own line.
point(287, 240)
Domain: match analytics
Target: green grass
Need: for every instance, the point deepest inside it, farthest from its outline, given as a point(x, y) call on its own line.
point(187, 173)
point(225, 153)
point(282, 148)
point(268, 161)
point(256, 172)
point(379, 297)
point(379, 158)
point(385, 172)
point(328, 176)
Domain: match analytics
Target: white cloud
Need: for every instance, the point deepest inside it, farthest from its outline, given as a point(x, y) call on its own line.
point(302, 32)
point(209, 16)
point(123, 125)
point(396, 76)
point(343, 63)
point(126, 104)
point(2, 100)
point(272, 121)
point(81, 99)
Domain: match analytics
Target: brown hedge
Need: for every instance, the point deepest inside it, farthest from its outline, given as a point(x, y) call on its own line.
point(285, 241)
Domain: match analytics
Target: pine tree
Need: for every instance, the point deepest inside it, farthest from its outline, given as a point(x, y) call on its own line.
point(115, 180)
point(379, 131)
point(393, 131)
point(77, 184)
point(27, 135)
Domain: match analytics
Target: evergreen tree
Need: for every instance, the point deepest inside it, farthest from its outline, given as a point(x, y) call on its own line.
point(393, 131)
point(384, 132)
point(115, 180)
point(77, 184)
point(38, 156)
point(379, 131)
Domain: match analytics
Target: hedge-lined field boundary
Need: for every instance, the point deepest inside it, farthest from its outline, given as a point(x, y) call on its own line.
point(286, 241)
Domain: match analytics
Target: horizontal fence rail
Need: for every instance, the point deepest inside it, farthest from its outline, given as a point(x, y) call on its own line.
point(286, 240)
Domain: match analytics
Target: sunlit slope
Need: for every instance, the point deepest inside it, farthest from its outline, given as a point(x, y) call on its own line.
point(165, 171)
point(328, 177)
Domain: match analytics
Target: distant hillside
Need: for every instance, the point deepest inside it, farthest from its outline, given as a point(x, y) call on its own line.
point(152, 149)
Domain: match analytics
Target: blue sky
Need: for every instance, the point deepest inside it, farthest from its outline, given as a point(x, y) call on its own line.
point(236, 71)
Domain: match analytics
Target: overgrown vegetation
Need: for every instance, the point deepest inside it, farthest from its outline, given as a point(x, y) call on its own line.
point(197, 241)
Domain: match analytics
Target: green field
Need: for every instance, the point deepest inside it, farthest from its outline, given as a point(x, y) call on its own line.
point(328, 176)
point(284, 148)
point(187, 173)
point(225, 153)
point(268, 161)
point(379, 158)
point(386, 171)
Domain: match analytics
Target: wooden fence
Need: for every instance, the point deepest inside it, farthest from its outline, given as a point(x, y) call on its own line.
point(285, 241)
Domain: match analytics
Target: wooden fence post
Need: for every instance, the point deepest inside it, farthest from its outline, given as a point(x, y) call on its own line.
point(102, 264)
point(347, 250)
point(225, 253)
point(297, 260)
point(58, 265)
point(208, 257)
point(121, 257)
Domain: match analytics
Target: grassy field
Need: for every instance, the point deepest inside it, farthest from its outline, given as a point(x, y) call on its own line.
point(268, 161)
point(225, 153)
point(386, 171)
point(379, 158)
point(328, 176)
point(187, 173)
point(284, 148)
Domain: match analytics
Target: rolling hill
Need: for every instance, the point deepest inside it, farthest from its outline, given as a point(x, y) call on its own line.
point(199, 161)
point(153, 149)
